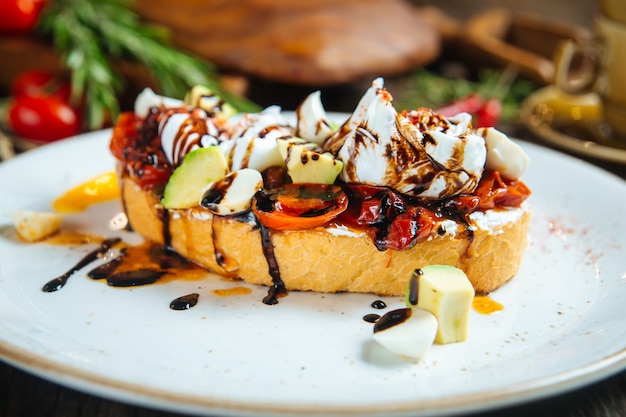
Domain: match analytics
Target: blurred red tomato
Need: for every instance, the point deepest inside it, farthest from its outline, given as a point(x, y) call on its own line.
point(39, 82)
point(19, 16)
point(43, 118)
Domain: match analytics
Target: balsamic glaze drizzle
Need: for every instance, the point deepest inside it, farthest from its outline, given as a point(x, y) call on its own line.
point(58, 283)
point(278, 286)
point(414, 287)
point(164, 215)
point(141, 276)
point(392, 318)
point(106, 269)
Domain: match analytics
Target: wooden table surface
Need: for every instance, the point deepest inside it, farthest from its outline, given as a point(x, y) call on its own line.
point(22, 394)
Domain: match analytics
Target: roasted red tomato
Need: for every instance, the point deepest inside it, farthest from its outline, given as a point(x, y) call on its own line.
point(404, 230)
point(146, 164)
point(43, 118)
point(494, 191)
point(389, 220)
point(299, 206)
point(371, 205)
point(462, 204)
point(123, 133)
point(149, 177)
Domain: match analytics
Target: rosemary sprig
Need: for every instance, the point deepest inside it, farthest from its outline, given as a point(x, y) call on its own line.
point(91, 34)
point(429, 89)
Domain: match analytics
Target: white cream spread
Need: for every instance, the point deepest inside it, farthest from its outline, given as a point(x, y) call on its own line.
point(446, 227)
point(493, 220)
point(341, 230)
point(490, 221)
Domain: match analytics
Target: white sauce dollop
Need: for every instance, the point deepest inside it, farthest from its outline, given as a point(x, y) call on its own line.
point(421, 154)
point(252, 142)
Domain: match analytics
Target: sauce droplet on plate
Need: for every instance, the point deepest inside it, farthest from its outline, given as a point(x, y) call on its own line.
point(185, 302)
point(484, 304)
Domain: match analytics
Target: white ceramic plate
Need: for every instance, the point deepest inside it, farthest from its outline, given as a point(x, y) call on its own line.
point(562, 326)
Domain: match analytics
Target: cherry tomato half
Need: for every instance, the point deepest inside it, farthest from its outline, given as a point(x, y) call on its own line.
point(43, 118)
point(299, 206)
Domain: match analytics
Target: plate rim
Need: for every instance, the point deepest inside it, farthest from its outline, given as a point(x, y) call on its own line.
point(128, 392)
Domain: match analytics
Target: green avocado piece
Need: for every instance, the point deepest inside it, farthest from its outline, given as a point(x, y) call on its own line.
point(447, 293)
point(199, 168)
point(306, 163)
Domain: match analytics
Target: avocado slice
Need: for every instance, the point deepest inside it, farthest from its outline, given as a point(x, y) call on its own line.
point(306, 163)
point(199, 168)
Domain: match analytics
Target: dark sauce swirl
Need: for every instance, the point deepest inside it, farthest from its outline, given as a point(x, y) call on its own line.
point(58, 283)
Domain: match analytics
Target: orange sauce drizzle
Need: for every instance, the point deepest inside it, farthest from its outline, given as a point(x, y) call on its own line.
point(138, 257)
point(231, 291)
point(484, 304)
point(66, 237)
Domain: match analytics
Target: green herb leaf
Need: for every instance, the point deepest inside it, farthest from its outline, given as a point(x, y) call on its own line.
point(428, 89)
point(91, 34)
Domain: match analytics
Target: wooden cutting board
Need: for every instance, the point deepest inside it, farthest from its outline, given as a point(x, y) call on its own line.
point(308, 42)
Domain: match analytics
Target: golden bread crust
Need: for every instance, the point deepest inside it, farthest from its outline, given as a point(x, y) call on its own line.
point(321, 261)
